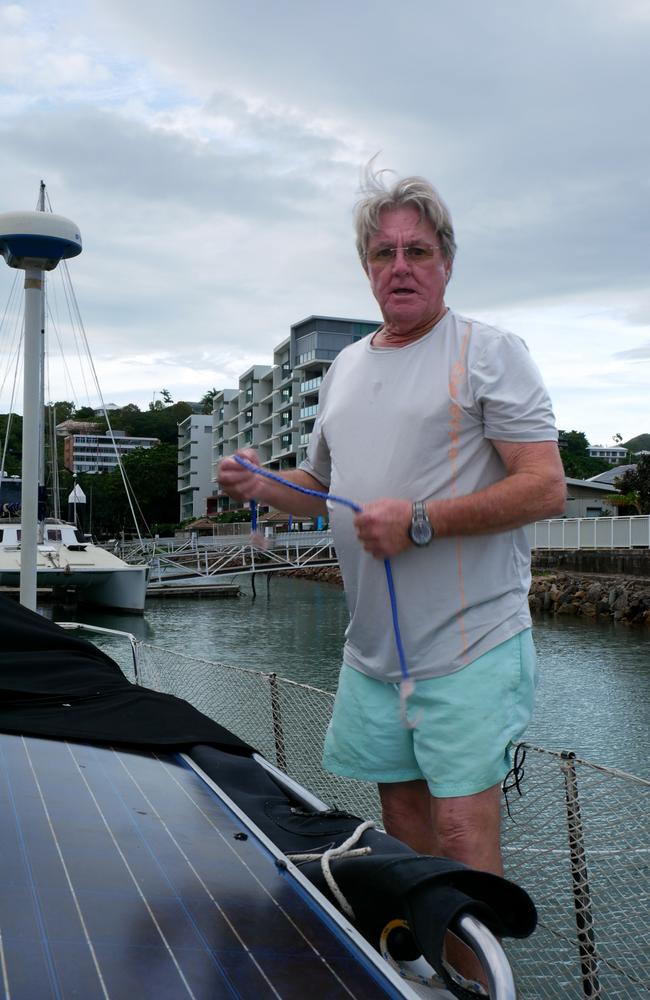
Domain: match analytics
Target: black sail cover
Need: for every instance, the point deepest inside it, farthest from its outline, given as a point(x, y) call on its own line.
point(55, 685)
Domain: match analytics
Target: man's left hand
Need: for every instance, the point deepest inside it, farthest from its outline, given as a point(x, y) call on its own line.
point(382, 527)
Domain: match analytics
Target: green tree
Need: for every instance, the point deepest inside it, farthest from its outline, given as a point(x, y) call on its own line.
point(207, 400)
point(578, 464)
point(85, 413)
point(152, 476)
point(11, 434)
point(635, 485)
point(63, 410)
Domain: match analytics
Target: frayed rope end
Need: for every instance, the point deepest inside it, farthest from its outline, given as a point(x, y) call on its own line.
point(406, 689)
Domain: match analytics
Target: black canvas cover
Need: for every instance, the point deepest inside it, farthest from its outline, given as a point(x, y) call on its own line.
point(391, 883)
point(54, 684)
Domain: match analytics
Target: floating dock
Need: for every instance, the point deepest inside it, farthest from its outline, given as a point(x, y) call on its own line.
point(211, 590)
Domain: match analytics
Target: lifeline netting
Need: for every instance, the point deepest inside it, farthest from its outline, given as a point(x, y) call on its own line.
point(577, 839)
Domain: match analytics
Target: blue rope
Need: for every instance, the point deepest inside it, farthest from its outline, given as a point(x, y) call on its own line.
point(267, 474)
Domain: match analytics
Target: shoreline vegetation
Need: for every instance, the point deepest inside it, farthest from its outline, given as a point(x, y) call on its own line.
point(598, 596)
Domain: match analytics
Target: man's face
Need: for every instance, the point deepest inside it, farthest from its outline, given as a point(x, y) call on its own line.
point(410, 291)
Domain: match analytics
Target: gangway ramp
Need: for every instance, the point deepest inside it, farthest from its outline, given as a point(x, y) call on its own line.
point(229, 558)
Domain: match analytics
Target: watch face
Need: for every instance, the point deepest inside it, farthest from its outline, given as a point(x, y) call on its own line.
point(420, 531)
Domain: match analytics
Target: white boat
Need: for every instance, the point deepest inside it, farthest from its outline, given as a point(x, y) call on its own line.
point(53, 553)
point(66, 559)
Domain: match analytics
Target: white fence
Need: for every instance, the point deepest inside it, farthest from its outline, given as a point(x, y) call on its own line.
point(590, 533)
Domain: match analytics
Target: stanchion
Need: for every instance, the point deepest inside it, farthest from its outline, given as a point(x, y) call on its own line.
point(581, 894)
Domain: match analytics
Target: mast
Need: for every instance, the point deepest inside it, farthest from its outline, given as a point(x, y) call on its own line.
point(41, 395)
point(31, 447)
point(33, 242)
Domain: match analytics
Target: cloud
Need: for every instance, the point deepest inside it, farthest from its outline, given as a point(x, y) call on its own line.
point(212, 165)
point(641, 353)
point(32, 66)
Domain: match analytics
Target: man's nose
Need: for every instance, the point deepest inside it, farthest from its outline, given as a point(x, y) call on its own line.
point(401, 263)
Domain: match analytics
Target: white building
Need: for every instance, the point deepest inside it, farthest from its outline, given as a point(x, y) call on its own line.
point(99, 452)
point(194, 464)
point(587, 498)
point(613, 454)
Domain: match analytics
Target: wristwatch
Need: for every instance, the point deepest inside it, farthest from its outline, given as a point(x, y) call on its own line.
point(421, 529)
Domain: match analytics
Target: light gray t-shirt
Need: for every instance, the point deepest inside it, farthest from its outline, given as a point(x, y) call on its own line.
point(416, 422)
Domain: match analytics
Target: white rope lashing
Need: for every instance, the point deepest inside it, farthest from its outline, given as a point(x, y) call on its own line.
point(344, 850)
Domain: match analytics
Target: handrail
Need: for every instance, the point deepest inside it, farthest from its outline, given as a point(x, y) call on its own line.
point(79, 626)
point(501, 983)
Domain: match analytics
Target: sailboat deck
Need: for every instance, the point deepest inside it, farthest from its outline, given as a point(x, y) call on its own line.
point(125, 875)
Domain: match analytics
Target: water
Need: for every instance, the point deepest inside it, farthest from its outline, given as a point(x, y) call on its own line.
point(594, 694)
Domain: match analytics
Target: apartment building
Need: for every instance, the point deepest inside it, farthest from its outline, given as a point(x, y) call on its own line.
point(194, 464)
point(274, 407)
point(99, 452)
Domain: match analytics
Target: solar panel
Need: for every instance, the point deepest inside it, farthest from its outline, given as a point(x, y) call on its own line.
point(125, 876)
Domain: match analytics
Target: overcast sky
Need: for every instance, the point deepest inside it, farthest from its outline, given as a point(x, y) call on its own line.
point(210, 153)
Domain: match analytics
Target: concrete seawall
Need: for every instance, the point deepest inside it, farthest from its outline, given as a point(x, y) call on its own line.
point(628, 562)
point(603, 597)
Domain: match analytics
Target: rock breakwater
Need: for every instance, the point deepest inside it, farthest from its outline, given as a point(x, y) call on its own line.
point(614, 598)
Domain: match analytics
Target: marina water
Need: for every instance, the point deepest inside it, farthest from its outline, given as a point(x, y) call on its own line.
point(594, 692)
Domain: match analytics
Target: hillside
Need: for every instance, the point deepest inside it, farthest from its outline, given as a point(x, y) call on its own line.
point(639, 443)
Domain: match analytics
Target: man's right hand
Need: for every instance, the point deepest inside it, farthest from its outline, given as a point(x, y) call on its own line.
point(237, 481)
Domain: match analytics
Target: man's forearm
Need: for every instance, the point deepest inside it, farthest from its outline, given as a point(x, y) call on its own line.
point(512, 502)
point(292, 501)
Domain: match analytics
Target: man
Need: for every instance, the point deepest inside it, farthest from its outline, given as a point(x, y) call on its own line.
point(441, 428)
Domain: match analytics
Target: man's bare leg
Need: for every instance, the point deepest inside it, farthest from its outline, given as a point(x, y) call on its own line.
point(466, 828)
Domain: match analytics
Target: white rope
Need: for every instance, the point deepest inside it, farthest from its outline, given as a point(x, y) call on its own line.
point(344, 850)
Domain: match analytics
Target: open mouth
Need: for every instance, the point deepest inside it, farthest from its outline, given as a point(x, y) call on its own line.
point(402, 291)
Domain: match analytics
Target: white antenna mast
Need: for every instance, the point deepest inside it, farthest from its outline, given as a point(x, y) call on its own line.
point(41, 396)
point(34, 242)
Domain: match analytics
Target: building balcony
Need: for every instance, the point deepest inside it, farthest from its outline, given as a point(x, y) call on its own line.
point(311, 384)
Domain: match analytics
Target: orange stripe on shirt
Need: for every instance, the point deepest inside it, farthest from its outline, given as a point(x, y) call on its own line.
point(458, 371)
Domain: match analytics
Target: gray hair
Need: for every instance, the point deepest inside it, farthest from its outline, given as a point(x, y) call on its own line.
point(414, 191)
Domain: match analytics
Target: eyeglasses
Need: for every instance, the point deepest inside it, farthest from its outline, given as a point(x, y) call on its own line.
point(414, 253)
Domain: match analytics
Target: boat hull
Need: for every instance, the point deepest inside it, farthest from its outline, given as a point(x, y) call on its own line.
point(63, 561)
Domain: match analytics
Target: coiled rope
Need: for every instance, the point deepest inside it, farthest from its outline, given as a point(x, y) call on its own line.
point(407, 686)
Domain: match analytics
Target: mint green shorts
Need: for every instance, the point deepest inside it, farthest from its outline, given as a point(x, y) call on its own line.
point(465, 723)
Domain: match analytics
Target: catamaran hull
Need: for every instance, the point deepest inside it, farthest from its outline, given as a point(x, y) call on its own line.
point(121, 589)
point(65, 560)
